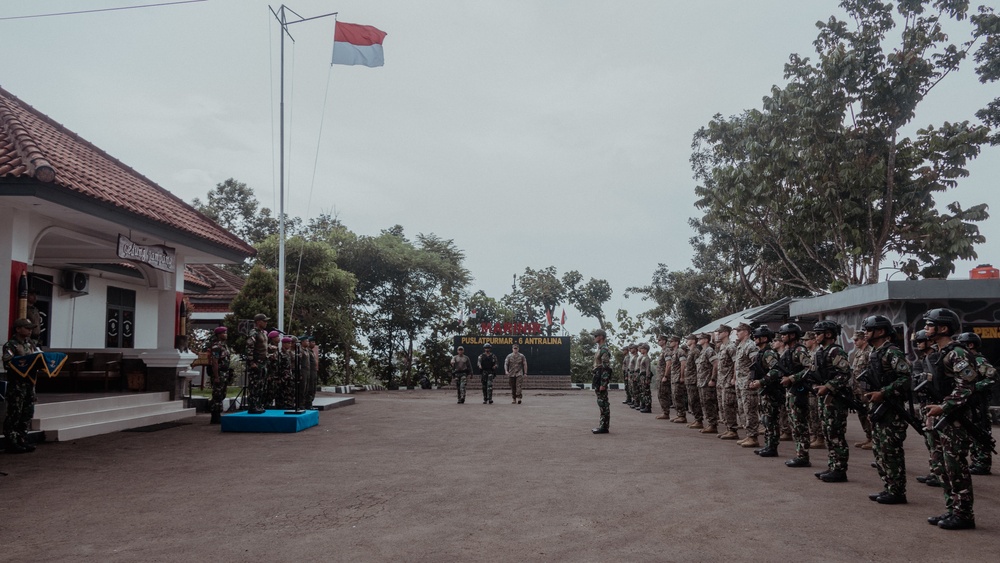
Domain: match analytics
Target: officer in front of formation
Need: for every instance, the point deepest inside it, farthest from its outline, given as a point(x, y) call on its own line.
point(20, 390)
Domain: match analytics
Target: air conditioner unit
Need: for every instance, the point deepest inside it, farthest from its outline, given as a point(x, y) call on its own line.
point(76, 283)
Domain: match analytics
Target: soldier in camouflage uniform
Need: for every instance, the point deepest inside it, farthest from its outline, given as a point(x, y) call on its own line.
point(707, 382)
point(859, 363)
point(487, 364)
point(602, 378)
point(890, 372)
point(256, 364)
point(981, 458)
point(677, 388)
point(461, 367)
point(632, 384)
point(627, 374)
point(274, 375)
point(663, 394)
point(690, 375)
point(726, 372)
point(284, 392)
point(747, 400)
point(766, 378)
point(643, 380)
point(221, 372)
point(954, 380)
point(812, 343)
point(515, 365)
point(794, 365)
point(832, 382)
point(922, 374)
point(20, 390)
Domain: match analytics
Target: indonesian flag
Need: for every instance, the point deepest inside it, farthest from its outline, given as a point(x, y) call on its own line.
point(563, 320)
point(548, 316)
point(355, 44)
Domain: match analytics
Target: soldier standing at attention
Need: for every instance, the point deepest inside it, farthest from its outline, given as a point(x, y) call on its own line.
point(222, 376)
point(859, 363)
point(833, 371)
point(20, 390)
point(794, 365)
point(642, 379)
point(284, 392)
point(812, 343)
point(516, 367)
point(487, 364)
point(890, 373)
point(747, 401)
point(922, 374)
point(766, 378)
point(256, 372)
point(677, 387)
point(633, 374)
point(663, 382)
point(690, 378)
point(981, 458)
point(726, 369)
point(461, 367)
point(954, 380)
point(706, 364)
point(602, 377)
point(627, 374)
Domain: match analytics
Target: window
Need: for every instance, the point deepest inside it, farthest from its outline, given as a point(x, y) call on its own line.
point(120, 327)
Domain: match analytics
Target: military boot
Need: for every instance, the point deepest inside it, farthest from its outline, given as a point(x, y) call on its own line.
point(696, 424)
point(681, 419)
point(709, 430)
point(750, 442)
point(729, 435)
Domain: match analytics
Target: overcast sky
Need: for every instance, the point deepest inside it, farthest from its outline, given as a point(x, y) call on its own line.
point(533, 133)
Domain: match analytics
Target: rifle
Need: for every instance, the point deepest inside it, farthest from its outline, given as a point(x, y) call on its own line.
point(975, 432)
point(844, 395)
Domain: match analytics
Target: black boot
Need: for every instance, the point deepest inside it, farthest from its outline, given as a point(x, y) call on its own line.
point(216, 418)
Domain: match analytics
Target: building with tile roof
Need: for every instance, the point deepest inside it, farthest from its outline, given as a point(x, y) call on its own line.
point(105, 248)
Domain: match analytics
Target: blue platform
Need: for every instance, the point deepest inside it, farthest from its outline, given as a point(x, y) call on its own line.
point(269, 421)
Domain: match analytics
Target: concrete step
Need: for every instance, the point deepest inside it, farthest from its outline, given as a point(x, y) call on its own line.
point(63, 408)
point(98, 416)
point(108, 426)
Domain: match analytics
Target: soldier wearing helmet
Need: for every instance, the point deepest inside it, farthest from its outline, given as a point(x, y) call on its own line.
point(766, 378)
point(981, 457)
point(921, 374)
point(833, 371)
point(954, 379)
point(602, 378)
point(794, 363)
point(487, 364)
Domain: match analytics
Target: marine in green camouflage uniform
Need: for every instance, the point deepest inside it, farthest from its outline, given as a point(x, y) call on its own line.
point(747, 400)
point(690, 374)
point(256, 365)
point(794, 364)
point(859, 363)
point(833, 375)
point(766, 379)
point(980, 457)
point(220, 358)
point(954, 380)
point(706, 363)
point(663, 394)
point(602, 378)
point(20, 390)
point(643, 380)
point(921, 374)
point(726, 388)
point(677, 387)
point(284, 394)
point(461, 367)
point(890, 371)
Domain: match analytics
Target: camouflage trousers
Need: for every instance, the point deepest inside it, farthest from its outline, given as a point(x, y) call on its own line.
point(694, 402)
point(605, 406)
point(486, 378)
point(816, 423)
point(979, 456)
point(461, 379)
point(834, 427)
point(798, 417)
point(952, 450)
point(748, 402)
point(770, 415)
point(645, 391)
point(786, 427)
point(709, 405)
point(630, 397)
point(729, 408)
point(256, 389)
point(866, 424)
point(284, 393)
point(20, 409)
point(516, 386)
point(664, 396)
point(219, 385)
point(680, 398)
point(887, 445)
point(933, 463)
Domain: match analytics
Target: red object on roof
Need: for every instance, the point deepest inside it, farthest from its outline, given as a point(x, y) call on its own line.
point(34, 146)
point(984, 272)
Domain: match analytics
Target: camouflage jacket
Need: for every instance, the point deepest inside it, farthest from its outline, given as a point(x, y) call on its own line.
point(727, 364)
point(602, 362)
point(745, 354)
point(704, 366)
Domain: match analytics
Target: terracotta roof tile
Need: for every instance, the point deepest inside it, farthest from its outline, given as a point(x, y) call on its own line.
point(224, 286)
point(33, 145)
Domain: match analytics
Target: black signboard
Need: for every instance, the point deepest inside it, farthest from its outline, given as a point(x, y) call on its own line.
point(546, 355)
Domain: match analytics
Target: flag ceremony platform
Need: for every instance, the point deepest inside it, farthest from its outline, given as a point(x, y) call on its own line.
point(269, 421)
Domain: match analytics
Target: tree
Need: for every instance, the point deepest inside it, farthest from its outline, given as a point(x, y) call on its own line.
point(821, 177)
point(588, 298)
point(684, 301)
point(542, 289)
point(258, 295)
point(581, 357)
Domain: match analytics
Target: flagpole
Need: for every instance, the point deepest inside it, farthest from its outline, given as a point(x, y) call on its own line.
point(284, 23)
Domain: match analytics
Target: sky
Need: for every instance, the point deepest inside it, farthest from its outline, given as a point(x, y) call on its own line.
point(533, 133)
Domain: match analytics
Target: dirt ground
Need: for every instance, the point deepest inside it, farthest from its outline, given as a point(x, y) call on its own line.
point(411, 476)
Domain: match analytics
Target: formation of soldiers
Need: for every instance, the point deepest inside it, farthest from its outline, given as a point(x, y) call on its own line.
point(757, 381)
point(282, 371)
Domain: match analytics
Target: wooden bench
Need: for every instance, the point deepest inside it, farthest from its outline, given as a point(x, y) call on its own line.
point(104, 366)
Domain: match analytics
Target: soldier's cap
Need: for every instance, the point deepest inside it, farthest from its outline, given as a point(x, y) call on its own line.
point(220, 330)
point(859, 334)
point(726, 329)
point(633, 345)
point(461, 348)
point(260, 317)
point(674, 338)
point(744, 326)
point(705, 335)
point(286, 339)
point(23, 323)
point(809, 335)
point(487, 345)
point(273, 334)
point(691, 337)
point(644, 346)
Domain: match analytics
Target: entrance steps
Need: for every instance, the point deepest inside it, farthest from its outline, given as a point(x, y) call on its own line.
point(69, 420)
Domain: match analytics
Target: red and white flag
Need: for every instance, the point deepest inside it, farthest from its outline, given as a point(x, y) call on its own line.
point(355, 44)
point(563, 320)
